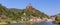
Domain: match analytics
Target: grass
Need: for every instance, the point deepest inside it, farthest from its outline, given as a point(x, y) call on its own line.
point(3, 23)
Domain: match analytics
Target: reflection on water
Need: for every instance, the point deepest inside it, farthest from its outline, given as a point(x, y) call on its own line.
point(41, 23)
point(16, 24)
point(44, 23)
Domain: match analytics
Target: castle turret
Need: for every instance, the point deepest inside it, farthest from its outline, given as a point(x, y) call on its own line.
point(29, 8)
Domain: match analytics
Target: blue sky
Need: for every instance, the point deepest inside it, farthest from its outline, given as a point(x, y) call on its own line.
point(49, 7)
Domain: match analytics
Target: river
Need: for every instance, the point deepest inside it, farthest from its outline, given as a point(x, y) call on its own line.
point(44, 23)
point(41, 23)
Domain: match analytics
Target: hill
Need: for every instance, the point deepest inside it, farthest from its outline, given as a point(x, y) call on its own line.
point(57, 19)
point(14, 14)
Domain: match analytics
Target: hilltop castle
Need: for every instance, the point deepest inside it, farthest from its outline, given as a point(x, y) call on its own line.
point(30, 8)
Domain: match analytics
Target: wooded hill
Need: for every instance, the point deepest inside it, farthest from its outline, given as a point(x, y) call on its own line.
point(15, 13)
point(57, 19)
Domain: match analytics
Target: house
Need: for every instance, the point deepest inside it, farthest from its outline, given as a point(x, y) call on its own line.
point(51, 19)
point(24, 17)
point(44, 19)
point(35, 19)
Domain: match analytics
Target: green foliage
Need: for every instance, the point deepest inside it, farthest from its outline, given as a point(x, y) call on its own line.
point(57, 19)
point(16, 14)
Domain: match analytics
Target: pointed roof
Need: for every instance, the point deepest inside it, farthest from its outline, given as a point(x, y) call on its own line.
point(29, 5)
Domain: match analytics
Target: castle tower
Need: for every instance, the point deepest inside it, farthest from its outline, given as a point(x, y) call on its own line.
point(29, 7)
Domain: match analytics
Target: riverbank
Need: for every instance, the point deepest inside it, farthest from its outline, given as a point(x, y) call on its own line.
point(3, 23)
point(40, 23)
point(32, 20)
point(12, 22)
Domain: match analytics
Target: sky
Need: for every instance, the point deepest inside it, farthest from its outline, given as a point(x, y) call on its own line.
point(49, 7)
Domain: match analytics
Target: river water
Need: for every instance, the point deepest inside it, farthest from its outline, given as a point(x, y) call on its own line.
point(44, 23)
point(41, 23)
